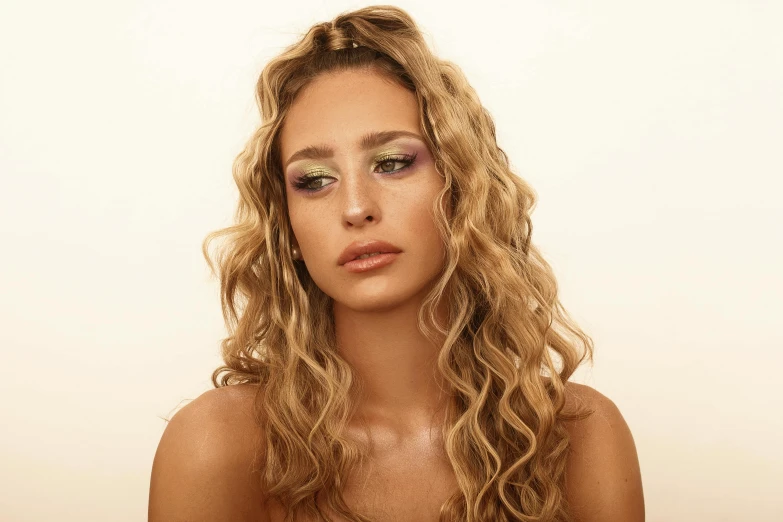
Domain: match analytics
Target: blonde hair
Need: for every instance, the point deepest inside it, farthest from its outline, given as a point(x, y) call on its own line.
point(504, 432)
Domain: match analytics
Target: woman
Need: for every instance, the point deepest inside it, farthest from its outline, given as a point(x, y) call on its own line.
point(395, 336)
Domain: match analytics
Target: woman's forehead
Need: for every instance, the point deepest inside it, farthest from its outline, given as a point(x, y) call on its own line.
point(339, 108)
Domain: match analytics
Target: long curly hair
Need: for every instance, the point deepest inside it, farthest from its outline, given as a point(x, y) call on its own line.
point(509, 348)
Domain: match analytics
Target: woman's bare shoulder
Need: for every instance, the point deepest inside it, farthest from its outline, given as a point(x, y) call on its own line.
point(228, 410)
point(226, 402)
point(205, 467)
point(603, 478)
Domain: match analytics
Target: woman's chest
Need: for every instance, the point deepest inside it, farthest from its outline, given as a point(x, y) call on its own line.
point(401, 485)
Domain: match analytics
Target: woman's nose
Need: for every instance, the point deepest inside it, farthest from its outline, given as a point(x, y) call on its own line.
point(359, 199)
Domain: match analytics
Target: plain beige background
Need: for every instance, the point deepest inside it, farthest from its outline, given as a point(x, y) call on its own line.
point(652, 132)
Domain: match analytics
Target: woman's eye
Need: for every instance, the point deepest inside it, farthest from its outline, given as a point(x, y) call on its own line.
point(388, 165)
point(310, 183)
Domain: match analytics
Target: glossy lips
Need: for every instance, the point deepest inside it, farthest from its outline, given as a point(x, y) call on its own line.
point(388, 253)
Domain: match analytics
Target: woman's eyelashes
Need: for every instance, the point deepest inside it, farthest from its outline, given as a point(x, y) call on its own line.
point(312, 181)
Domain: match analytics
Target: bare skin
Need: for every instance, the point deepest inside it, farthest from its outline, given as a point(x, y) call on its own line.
point(202, 468)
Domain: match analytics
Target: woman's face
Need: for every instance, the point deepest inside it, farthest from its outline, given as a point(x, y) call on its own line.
point(370, 186)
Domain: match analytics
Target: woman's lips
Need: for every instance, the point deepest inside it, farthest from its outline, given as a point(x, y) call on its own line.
point(365, 246)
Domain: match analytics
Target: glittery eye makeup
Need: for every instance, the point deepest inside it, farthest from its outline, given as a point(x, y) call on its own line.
point(311, 181)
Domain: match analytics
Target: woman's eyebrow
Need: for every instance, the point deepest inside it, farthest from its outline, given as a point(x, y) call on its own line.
point(368, 141)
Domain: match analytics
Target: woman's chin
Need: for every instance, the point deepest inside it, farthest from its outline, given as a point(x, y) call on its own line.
point(369, 303)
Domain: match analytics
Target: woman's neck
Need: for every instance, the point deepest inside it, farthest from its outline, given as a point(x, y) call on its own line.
point(395, 362)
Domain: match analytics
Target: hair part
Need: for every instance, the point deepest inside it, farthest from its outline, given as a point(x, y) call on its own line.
point(509, 347)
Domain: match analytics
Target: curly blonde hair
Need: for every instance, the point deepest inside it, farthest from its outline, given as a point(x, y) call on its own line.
point(503, 432)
